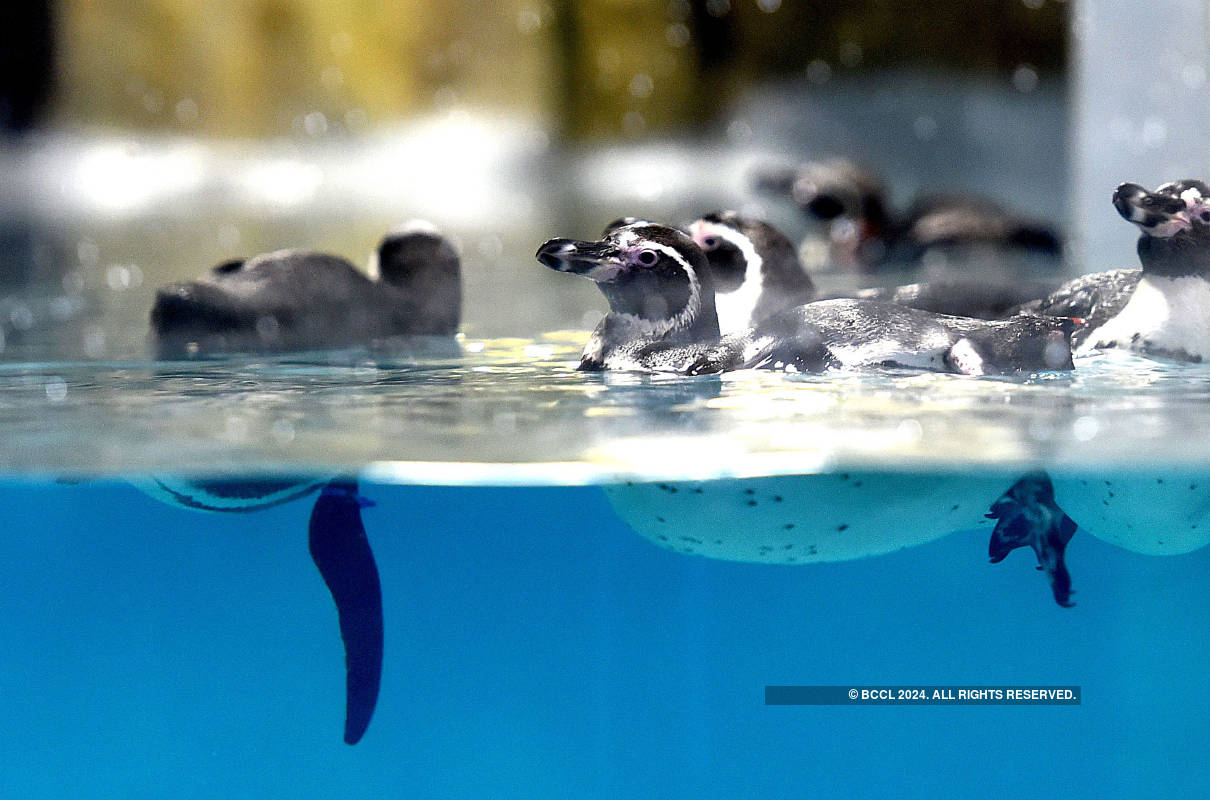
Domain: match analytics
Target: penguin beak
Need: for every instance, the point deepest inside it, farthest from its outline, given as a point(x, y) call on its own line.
point(598, 261)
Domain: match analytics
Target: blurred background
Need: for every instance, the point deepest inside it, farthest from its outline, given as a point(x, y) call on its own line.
point(145, 140)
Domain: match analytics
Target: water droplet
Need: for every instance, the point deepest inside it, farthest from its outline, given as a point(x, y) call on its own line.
point(1193, 75)
point(56, 389)
point(186, 111)
point(94, 342)
point(925, 127)
point(120, 277)
point(332, 78)
point(1154, 133)
point(1025, 78)
point(850, 54)
point(153, 102)
point(88, 253)
point(21, 318)
point(911, 430)
point(1084, 429)
point(315, 123)
point(819, 72)
point(677, 34)
point(283, 431)
point(641, 85)
point(528, 20)
point(739, 131)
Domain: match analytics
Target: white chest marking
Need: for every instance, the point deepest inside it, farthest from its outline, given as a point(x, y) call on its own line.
point(735, 308)
point(1164, 315)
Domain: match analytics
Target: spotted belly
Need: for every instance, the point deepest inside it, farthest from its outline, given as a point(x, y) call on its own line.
point(804, 519)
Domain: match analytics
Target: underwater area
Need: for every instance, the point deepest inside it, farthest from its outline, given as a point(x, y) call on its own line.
point(588, 580)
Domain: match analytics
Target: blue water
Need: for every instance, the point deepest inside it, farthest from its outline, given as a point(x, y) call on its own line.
point(535, 647)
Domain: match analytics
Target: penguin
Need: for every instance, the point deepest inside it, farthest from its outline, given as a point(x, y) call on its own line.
point(754, 267)
point(340, 550)
point(1163, 308)
point(757, 272)
point(662, 319)
point(292, 300)
point(865, 234)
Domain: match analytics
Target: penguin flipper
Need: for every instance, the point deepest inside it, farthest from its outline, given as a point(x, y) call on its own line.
point(1028, 515)
point(1012, 531)
point(341, 551)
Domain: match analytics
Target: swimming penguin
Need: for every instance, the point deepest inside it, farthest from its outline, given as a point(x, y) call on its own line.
point(757, 272)
point(302, 300)
point(754, 268)
point(340, 550)
point(1163, 309)
point(662, 318)
point(865, 234)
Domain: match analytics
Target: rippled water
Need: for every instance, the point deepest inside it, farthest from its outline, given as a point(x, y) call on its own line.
point(511, 411)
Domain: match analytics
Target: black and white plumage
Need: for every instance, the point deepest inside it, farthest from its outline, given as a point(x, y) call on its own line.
point(755, 269)
point(662, 318)
point(757, 272)
point(856, 334)
point(866, 234)
point(1162, 309)
point(661, 303)
point(302, 300)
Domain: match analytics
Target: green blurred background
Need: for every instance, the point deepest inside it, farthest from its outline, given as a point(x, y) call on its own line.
point(589, 69)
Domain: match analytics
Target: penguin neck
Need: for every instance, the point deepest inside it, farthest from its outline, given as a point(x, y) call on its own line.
point(1185, 254)
point(684, 312)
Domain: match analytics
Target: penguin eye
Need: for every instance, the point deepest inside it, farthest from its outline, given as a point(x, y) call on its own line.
point(648, 258)
point(709, 242)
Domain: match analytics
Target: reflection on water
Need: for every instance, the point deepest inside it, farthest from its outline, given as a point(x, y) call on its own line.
point(514, 410)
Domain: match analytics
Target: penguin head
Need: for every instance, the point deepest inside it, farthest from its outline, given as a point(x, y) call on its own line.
point(1174, 223)
point(418, 260)
point(652, 275)
point(837, 188)
point(728, 247)
point(737, 245)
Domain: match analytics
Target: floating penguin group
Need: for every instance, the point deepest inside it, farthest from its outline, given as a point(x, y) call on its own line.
point(726, 292)
point(849, 202)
